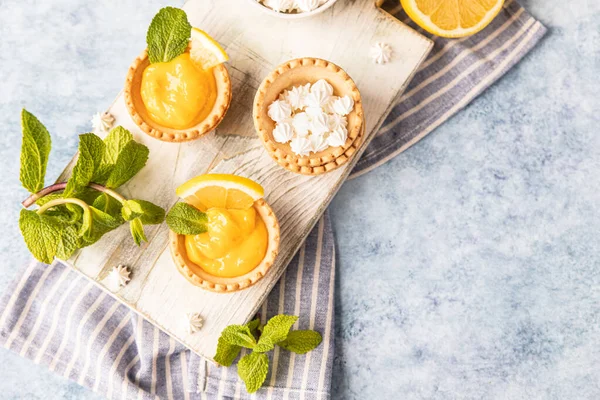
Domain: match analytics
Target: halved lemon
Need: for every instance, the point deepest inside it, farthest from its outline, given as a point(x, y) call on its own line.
point(205, 51)
point(452, 18)
point(220, 190)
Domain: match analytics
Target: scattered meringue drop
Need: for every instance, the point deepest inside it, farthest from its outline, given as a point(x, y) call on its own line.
point(337, 137)
point(343, 105)
point(120, 275)
point(102, 122)
point(283, 132)
point(292, 5)
point(279, 110)
point(280, 5)
point(381, 53)
point(301, 146)
point(322, 86)
point(302, 123)
point(193, 322)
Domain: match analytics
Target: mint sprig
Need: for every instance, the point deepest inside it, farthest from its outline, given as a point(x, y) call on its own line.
point(77, 213)
point(34, 152)
point(168, 35)
point(253, 367)
point(186, 219)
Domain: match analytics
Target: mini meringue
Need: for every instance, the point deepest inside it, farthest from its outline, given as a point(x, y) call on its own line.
point(301, 123)
point(322, 86)
point(279, 110)
point(102, 122)
point(296, 97)
point(318, 143)
point(337, 137)
point(193, 322)
point(307, 5)
point(283, 132)
point(301, 146)
point(120, 275)
point(343, 105)
point(381, 53)
point(317, 99)
point(336, 121)
point(319, 124)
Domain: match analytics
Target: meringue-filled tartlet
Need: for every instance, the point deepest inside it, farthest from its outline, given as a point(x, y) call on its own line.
point(308, 113)
point(178, 89)
point(224, 236)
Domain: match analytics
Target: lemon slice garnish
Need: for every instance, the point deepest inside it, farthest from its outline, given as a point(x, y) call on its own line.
point(205, 51)
point(452, 18)
point(220, 190)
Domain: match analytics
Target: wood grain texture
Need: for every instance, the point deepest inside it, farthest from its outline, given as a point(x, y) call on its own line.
point(256, 43)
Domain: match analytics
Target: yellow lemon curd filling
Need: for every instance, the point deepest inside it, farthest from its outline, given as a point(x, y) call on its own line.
point(235, 243)
point(178, 94)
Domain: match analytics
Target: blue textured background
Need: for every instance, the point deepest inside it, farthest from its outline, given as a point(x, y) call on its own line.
point(467, 266)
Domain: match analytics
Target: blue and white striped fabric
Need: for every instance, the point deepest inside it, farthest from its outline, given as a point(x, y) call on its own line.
point(56, 317)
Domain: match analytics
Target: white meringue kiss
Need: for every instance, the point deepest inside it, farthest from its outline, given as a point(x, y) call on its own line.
point(307, 5)
point(301, 146)
point(336, 121)
point(318, 143)
point(343, 105)
point(283, 132)
point(302, 124)
point(317, 99)
point(337, 137)
point(296, 97)
point(319, 124)
point(279, 110)
point(280, 5)
point(322, 86)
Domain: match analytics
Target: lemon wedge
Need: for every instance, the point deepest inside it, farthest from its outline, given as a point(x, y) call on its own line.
point(205, 51)
point(452, 18)
point(220, 190)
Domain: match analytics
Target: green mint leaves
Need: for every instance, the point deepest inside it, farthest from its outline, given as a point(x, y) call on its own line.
point(168, 35)
point(186, 219)
point(253, 367)
point(88, 206)
point(34, 152)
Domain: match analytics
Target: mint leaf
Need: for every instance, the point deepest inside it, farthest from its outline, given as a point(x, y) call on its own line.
point(275, 331)
point(41, 234)
point(253, 325)
point(34, 152)
point(253, 369)
point(149, 213)
point(91, 151)
point(238, 335)
point(130, 161)
point(68, 242)
point(137, 231)
point(109, 205)
point(301, 342)
point(226, 352)
point(114, 142)
point(185, 219)
point(102, 223)
point(168, 35)
point(87, 224)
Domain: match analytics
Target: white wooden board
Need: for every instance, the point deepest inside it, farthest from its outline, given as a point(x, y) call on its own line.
point(256, 43)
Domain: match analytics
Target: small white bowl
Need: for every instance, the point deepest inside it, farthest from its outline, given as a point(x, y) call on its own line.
point(284, 15)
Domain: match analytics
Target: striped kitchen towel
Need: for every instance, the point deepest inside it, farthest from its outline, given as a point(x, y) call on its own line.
point(56, 317)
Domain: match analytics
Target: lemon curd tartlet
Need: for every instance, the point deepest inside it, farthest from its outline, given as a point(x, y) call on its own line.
point(183, 98)
point(241, 238)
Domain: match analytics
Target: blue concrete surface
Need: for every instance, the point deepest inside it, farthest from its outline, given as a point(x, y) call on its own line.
point(467, 266)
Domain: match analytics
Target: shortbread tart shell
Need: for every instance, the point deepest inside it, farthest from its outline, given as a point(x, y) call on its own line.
point(299, 72)
point(139, 114)
point(197, 276)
